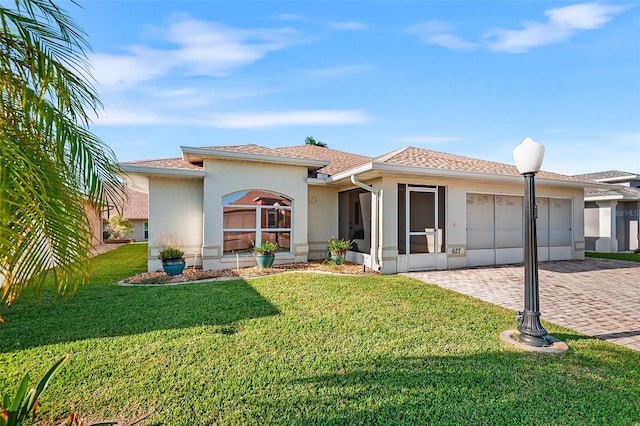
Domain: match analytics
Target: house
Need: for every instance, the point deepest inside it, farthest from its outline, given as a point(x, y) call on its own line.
point(411, 209)
point(611, 213)
point(136, 210)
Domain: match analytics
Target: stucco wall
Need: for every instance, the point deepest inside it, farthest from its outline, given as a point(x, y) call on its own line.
point(138, 230)
point(323, 219)
point(175, 208)
point(96, 225)
point(226, 177)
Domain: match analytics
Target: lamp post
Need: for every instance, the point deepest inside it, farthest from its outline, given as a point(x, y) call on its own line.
point(528, 157)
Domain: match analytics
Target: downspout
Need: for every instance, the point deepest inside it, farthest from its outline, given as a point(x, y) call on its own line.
point(374, 218)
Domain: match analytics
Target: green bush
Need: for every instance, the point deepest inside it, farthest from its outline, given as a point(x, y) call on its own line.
point(118, 227)
point(171, 253)
point(267, 248)
point(338, 247)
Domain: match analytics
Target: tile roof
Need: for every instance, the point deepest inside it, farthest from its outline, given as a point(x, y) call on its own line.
point(247, 149)
point(418, 157)
point(340, 161)
point(615, 192)
point(609, 174)
point(166, 163)
point(136, 205)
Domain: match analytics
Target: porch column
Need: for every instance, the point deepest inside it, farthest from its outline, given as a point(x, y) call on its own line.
point(388, 227)
point(607, 243)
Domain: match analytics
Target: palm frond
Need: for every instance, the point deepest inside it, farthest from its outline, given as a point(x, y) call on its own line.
point(51, 165)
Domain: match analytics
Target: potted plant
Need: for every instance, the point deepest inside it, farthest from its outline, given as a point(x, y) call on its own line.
point(338, 249)
point(172, 260)
point(171, 256)
point(265, 254)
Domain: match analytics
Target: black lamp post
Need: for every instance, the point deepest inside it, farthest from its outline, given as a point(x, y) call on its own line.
point(528, 157)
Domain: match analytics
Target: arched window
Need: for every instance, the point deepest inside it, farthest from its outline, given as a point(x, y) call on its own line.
point(255, 216)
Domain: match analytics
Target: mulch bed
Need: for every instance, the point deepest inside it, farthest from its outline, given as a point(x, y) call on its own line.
point(197, 274)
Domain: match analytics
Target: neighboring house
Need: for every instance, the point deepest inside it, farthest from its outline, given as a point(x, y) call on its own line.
point(136, 210)
point(611, 214)
point(411, 209)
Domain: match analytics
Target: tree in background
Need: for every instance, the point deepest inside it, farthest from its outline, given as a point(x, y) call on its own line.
point(118, 227)
point(311, 141)
point(51, 165)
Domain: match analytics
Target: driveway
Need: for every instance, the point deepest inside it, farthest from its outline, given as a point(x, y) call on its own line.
point(596, 297)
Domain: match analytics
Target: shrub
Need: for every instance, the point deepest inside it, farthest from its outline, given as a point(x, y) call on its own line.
point(338, 247)
point(167, 244)
point(118, 227)
point(267, 248)
point(171, 253)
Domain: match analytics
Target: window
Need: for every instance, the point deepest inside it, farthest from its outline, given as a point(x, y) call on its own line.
point(146, 231)
point(255, 216)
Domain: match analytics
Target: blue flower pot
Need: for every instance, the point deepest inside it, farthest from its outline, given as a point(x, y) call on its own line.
point(338, 259)
point(173, 267)
point(265, 261)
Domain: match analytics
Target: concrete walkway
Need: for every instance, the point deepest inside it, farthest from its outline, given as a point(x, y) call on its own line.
point(103, 248)
point(596, 297)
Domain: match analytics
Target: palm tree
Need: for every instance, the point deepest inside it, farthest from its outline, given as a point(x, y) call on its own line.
point(311, 141)
point(51, 165)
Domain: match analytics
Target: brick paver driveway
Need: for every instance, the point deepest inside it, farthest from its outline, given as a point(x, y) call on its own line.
point(596, 297)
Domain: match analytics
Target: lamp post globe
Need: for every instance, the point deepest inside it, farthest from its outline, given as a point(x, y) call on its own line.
point(528, 157)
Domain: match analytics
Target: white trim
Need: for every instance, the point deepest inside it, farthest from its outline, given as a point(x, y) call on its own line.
point(618, 178)
point(163, 171)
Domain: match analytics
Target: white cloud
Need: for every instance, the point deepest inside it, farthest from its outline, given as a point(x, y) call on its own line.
point(114, 70)
point(562, 23)
point(196, 47)
point(586, 16)
point(251, 120)
point(348, 26)
point(340, 71)
point(440, 34)
point(116, 115)
point(290, 17)
point(426, 140)
point(519, 41)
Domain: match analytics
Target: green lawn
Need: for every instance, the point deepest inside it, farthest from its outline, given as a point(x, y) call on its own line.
point(301, 349)
point(634, 257)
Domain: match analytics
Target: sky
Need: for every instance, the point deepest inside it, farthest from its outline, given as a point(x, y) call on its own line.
point(471, 78)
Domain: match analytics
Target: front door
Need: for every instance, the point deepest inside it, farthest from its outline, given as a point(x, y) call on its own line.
point(423, 236)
